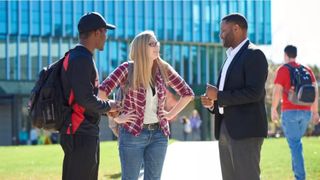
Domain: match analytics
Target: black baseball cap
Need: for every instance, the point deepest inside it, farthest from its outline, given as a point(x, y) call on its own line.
point(92, 21)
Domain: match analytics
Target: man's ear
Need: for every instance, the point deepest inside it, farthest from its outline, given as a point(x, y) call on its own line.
point(96, 33)
point(236, 27)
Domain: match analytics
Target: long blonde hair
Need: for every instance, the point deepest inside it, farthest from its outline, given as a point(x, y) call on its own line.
point(142, 68)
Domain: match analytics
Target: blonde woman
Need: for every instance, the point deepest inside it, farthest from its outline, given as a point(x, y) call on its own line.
point(144, 127)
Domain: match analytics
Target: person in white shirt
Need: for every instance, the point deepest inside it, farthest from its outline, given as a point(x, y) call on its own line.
point(238, 102)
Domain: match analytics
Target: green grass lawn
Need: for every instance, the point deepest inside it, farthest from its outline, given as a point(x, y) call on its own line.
point(45, 161)
point(276, 159)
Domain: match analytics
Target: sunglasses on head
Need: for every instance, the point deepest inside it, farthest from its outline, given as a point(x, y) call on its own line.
point(154, 44)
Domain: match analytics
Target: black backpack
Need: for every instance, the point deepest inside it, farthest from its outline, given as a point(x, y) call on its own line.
point(304, 92)
point(47, 106)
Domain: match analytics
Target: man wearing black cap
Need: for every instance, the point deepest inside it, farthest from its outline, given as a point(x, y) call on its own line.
point(80, 136)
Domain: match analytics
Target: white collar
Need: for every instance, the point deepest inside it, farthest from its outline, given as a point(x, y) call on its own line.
point(80, 45)
point(231, 52)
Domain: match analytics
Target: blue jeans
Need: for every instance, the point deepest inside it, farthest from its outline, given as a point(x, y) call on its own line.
point(294, 124)
point(149, 149)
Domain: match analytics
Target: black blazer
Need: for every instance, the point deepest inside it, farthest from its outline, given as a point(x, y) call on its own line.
point(243, 95)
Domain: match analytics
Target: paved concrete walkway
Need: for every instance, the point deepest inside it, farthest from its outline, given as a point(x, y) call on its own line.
point(194, 160)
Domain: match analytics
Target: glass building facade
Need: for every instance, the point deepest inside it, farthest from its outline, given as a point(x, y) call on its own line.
point(33, 34)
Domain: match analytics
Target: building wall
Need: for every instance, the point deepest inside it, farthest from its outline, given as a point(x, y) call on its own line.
point(6, 126)
point(34, 34)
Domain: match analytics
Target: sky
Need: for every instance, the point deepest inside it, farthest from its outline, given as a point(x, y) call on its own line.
point(295, 22)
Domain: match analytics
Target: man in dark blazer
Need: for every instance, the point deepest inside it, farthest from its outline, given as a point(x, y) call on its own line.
point(238, 102)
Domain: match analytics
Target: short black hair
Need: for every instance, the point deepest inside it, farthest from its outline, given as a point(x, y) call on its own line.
point(85, 35)
point(237, 19)
point(291, 51)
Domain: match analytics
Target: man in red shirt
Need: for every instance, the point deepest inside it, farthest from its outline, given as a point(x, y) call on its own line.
point(295, 118)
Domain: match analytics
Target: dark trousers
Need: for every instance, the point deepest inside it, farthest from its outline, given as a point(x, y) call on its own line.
point(239, 159)
point(81, 157)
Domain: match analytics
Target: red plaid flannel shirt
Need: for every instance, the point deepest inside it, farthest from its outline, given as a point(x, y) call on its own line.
point(136, 99)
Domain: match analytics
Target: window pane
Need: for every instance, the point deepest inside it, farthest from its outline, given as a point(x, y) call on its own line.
point(113, 54)
point(267, 19)
point(260, 22)
point(176, 64)
point(203, 68)
point(102, 64)
point(185, 63)
point(194, 56)
point(78, 10)
point(169, 19)
point(187, 21)
point(107, 60)
point(178, 20)
point(110, 16)
point(99, 7)
point(47, 19)
point(58, 18)
point(196, 21)
point(88, 6)
point(24, 58)
point(167, 53)
point(13, 57)
point(233, 6)
point(3, 60)
point(64, 46)
point(24, 17)
point(223, 8)
point(123, 50)
point(251, 22)
point(220, 55)
point(150, 15)
point(130, 19)
point(140, 15)
point(34, 57)
point(14, 17)
point(120, 19)
point(3, 17)
point(35, 14)
point(54, 49)
point(44, 52)
point(68, 18)
point(159, 19)
point(216, 21)
point(212, 70)
point(242, 7)
point(207, 22)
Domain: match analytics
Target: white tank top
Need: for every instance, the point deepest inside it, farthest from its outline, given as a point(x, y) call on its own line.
point(150, 113)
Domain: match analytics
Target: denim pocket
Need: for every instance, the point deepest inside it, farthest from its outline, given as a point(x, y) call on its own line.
point(295, 122)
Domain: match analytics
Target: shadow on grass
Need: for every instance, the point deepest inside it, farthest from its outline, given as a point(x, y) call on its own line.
point(113, 176)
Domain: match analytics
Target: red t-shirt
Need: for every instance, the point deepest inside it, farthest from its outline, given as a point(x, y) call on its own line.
point(283, 78)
